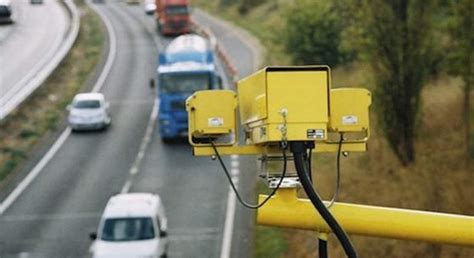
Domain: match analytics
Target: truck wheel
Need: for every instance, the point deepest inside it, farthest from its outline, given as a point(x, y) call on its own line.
point(166, 140)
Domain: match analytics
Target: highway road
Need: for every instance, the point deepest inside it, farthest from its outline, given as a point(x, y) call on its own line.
point(28, 44)
point(55, 213)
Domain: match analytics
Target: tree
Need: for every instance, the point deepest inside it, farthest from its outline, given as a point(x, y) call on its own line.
point(463, 57)
point(313, 33)
point(398, 36)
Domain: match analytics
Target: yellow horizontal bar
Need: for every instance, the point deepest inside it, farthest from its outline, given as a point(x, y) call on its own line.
point(324, 147)
point(285, 210)
point(261, 149)
point(228, 150)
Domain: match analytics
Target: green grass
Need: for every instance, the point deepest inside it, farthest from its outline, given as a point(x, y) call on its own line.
point(270, 242)
point(43, 110)
point(16, 155)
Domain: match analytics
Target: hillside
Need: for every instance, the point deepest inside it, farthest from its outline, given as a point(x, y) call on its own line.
point(441, 178)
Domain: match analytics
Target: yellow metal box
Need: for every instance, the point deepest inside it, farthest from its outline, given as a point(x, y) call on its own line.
point(212, 113)
point(285, 102)
point(349, 110)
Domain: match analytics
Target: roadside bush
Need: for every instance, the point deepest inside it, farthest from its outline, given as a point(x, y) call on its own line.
point(246, 5)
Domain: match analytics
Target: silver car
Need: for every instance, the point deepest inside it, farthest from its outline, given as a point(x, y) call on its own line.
point(149, 6)
point(89, 111)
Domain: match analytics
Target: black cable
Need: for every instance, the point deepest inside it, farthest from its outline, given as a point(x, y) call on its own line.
point(323, 248)
point(310, 158)
point(299, 153)
point(250, 206)
point(338, 171)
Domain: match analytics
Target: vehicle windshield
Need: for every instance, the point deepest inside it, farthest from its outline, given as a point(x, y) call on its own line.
point(176, 10)
point(184, 82)
point(128, 229)
point(82, 104)
point(4, 10)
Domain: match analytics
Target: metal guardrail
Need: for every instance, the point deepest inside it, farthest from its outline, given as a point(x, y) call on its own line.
point(35, 79)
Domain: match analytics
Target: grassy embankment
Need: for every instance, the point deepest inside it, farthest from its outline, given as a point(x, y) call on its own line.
point(42, 112)
point(440, 180)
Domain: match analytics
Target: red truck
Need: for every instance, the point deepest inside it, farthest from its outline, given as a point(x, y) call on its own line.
point(173, 17)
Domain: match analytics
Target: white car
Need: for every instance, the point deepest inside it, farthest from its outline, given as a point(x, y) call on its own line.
point(132, 225)
point(149, 6)
point(89, 111)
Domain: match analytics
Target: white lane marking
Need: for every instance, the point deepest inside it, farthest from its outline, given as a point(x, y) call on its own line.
point(230, 211)
point(234, 163)
point(143, 146)
point(112, 49)
point(126, 186)
point(11, 198)
point(34, 173)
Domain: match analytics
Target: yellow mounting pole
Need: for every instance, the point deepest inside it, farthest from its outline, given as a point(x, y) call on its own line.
point(286, 210)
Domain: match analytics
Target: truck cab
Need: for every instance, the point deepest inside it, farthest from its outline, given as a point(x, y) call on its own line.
point(186, 66)
point(173, 17)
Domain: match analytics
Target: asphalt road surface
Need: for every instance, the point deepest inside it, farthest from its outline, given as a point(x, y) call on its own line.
point(53, 216)
point(30, 42)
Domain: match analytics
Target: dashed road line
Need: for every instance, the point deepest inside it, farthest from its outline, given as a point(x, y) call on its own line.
point(230, 210)
point(143, 147)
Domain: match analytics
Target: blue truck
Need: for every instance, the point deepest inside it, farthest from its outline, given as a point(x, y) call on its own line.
point(187, 65)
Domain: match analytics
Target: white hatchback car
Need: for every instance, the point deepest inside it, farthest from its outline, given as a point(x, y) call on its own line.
point(149, 6)
point(89, 111)
point(132, 225)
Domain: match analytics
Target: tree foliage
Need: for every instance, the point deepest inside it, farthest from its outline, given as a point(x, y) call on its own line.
point(313, 33)
point(243, 5)
point(399, 36)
